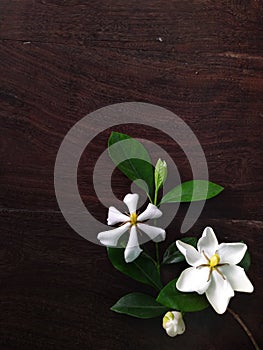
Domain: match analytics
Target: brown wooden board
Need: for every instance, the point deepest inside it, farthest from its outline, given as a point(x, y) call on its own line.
point(61, 60)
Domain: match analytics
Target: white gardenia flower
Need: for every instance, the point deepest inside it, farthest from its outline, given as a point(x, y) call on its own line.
point(214, 270)
point(134, 223)
point(173, 323)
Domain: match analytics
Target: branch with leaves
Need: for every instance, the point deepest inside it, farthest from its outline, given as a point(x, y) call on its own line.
point(215, 270)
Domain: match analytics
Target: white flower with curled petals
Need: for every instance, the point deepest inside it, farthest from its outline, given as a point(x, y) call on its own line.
point(214, 270)
point(173, 323)
point(132, 223)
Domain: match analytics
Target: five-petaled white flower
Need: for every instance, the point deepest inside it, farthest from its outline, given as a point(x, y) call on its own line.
point(134, 223)
point(214, 271)
point(173, 323)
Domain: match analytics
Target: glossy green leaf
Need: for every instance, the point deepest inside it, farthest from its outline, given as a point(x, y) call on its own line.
point(246, 261)
point(133, 160)
point(139, 305)
point(173, 255)
point(160, 173)
point(171, 297)
point(190, 191)
point(143, 269)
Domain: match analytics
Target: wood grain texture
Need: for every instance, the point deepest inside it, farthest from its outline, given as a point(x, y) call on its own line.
point(61, 60)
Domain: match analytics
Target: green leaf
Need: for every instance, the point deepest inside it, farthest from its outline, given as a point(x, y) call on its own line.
point(160, 173)
point(133, 160)
point(246, 261)
point(139, 305)
point(190, 191)
point(173, 255)
point(171, 297)
point(143, 269)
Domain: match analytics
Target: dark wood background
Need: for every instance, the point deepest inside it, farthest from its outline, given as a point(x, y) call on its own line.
point(63, 59)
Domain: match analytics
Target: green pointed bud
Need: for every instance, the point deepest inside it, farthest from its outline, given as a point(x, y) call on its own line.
point(160, 173)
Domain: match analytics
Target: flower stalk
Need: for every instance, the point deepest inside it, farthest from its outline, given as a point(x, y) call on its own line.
point(157, 257)
point(245, 328)
point(157, 186)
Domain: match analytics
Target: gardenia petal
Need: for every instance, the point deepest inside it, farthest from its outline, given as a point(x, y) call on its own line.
point(208, 242)
point(132, 250)
point(237, 277)
point(231, 253)
point(219, 292)
point(193, 280)
point(110, 238)
point(171, 329)
point(156, 234)
point(192, 256)
point(151, 212)
point(115, 216)
point(131, 200)
point(181, 327)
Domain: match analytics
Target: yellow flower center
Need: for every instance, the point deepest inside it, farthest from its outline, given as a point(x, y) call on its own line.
point(133, 219)
point(213, 264)
point(214, 261)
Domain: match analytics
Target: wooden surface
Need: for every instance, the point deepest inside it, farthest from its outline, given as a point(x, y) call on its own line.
point(61, 60)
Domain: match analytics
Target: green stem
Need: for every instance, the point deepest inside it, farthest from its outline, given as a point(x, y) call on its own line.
point(156, 244)
point(243, 325)
point(150, 199)
point(155, 197)
point(157, 257)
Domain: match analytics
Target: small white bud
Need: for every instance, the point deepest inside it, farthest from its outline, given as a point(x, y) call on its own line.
point(173, 323)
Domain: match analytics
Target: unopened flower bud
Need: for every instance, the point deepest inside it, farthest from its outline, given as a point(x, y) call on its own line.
point(173, 323)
